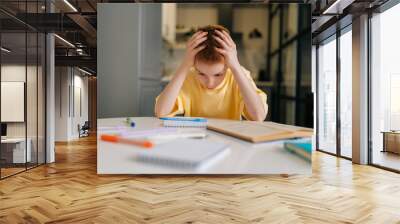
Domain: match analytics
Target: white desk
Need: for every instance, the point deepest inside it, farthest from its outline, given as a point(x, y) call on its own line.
point(244, 157)
point(18, 150)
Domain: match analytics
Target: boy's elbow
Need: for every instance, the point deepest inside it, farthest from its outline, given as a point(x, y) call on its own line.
point(160, 114)
point(260, 116)
point(157, 114)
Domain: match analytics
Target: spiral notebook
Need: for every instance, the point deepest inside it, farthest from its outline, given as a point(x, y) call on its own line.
point(190, 154)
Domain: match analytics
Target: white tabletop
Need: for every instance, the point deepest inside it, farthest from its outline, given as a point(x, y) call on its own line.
point(13, 140)
point(244, 157)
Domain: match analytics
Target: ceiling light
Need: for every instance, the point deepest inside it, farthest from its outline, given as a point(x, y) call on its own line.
point(337, 7)
point(84, 71)
point(65, 41)
point(70, 5)
point(5, 50)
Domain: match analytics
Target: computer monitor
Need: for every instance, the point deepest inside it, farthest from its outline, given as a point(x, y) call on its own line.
point(3, 129)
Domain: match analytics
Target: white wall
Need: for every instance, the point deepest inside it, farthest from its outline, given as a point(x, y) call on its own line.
point(197, 16)
point(62, 82)
point(67, 115)
point(129, 68)
point(80, 83)
point(168, 21)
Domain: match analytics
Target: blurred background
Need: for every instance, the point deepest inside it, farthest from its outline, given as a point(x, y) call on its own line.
point(273, 42)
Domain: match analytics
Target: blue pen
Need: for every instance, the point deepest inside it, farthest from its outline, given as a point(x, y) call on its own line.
point(197, 119)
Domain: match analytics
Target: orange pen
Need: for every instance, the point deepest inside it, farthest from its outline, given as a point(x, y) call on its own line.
point(117, 139)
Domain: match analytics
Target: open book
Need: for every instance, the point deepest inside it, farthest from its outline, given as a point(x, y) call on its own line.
point(254, 131)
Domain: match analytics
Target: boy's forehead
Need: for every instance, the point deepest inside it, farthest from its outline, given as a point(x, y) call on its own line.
point(210, 68)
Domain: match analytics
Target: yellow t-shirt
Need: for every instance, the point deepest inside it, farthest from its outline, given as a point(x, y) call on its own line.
point(224, 101)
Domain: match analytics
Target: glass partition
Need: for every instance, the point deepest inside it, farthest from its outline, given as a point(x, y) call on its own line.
point(22, 88)
point(327, 96)
point(14, 153)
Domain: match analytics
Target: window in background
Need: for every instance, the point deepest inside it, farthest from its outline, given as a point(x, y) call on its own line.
point(288, 85)
point(327, 95)
point(346, 92)
point(274, 35)
point(289, 64)
point(385, 88)
point(291, 21)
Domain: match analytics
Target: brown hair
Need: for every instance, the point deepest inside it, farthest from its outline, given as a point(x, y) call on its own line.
point(209, 54)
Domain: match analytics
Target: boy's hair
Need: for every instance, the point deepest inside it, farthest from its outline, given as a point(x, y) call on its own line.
point(209, 54)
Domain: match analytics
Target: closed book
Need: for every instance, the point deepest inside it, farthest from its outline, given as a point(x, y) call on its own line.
point(300, 147)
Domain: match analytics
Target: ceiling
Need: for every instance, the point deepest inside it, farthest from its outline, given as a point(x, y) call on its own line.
point(76, 22)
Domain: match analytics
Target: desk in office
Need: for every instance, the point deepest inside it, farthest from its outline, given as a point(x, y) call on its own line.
point(18, 153)
point(244, 157)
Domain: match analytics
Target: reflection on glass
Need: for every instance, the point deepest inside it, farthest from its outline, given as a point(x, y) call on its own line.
point(345, 94)
point(327, 96)
point(385, 87)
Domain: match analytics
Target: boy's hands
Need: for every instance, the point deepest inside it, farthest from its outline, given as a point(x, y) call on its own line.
point(193, 47)
point(228, 48)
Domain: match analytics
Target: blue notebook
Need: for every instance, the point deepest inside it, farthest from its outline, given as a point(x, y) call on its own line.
point(300, 147)
point(184, 122)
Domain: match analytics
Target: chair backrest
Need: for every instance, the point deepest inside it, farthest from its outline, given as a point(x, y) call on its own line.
point(86, 124)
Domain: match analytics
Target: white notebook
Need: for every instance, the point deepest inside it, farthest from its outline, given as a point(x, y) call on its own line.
point(191, 154)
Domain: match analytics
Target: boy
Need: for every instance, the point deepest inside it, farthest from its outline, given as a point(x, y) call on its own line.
point(210, 82)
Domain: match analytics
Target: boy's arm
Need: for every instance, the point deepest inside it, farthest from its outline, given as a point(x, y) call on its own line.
point(166, 100)
point(253, 103)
